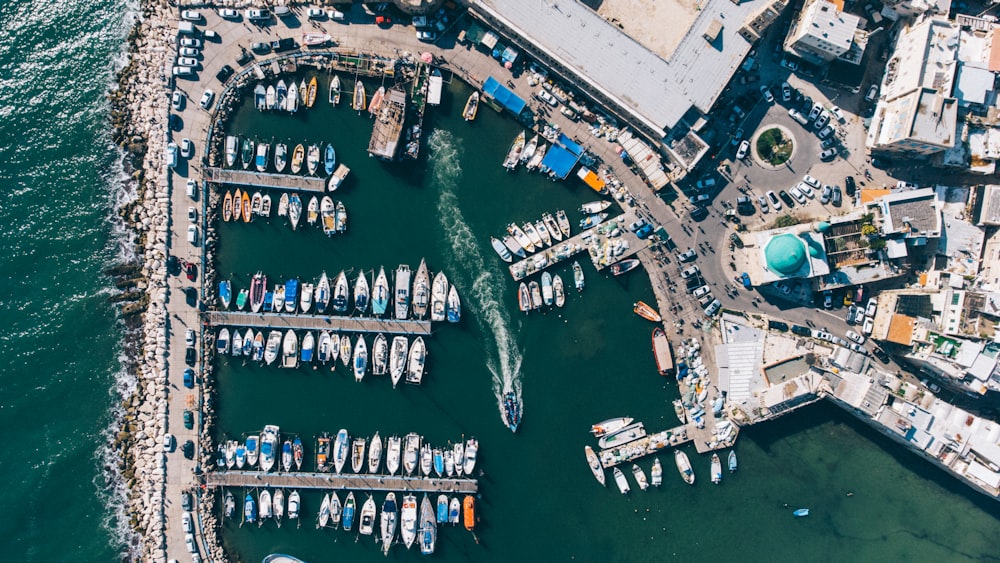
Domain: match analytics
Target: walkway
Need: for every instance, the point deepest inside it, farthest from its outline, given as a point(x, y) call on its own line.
point(254, 479)
point(288, 182)
point(318, 322)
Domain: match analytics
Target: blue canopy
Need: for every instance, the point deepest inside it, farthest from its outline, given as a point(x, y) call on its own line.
point(562, 156)
point(509, 100)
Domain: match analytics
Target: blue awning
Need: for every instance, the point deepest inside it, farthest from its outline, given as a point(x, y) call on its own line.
point(562, 156)
point(509, 100)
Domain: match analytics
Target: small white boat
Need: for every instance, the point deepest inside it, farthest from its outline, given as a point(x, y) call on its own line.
point(278, 499)
point(408, 520)
point(388, 522)
point(684, 466)
point(501, 249)
point(594, 207)
point(559, 290)
point(294, 210)
point(366, 524)
point(306, 293)
point(439, 297)
point(280, 157)
point(361, 293)
point(375, 454)
point(324, 512)
point(716, 469)
point(732, 461)
point(458, 451)
point(232, 144)
point(264, 505)
point(610, 426)
point(426, 459)
point(271, 348)
point(595, 464)
point(289, 350)
point(360, 358)
point(393, 452)
point(342, 512)
point(656, 476)
point(411, 448)
point(312, 210)
point(294, 505)
point(454, 312)
point(563, 221)
point(547, 296)
point(322, 293)
point(341, 450)
point(415, 361)
point(283, 205)
point(397, 358)
point(380, 355)
point(358, 454)
point(621, 481)
point(640, 477)
point(454, 511)
point(471, 450)
point(345, 350)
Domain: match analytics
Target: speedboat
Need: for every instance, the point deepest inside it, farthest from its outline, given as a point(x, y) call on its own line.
point(640, 477)
point(260, 161)
point(265, 506)
point(281, 96)
point(367, 523)
point(361, 293)
point(449, 462)
point(442, 509)
point(732, 461)
point(624, 266)
point(397, 358)
point(360, 358)
point(329, 159)
point(523, 298)
point(661, 351)
point(501, 250)
point(341, 449)
point(312, 210)
point(294, 210)
point(252, 447)
point(543, 232)
point(278, 499)
point(335, 90)
point(684, 466)
point(627, 434)
point(458, 451)
point(231, 144)
point(471, 106)
point(374, 454)
point(225, 293)
point(222, 341)
point(270, 97)
point(533, 236)
point(298, 155)
point(380, 355)
point(246, 153)
point(230, 503)
point(536, 294)
point(439, 297)
point(454, 312)
point(593, 220)
point(408, 520)
point(286, 455)
point(426, 459)
point(415, 361)
point(358, 454)
point(322, 293)
point(268, 447)
point(563, 221)
point(280, 157)
point(800, 512)
point(294, 504)
point(258, 287)
point(578, 280)
point(283, 205)
point(454, 511)
point(388, 523)
point(376, 102)
point(594, 207)
point(410, 451)
point(552, 226)
point(559, 290)
point(291, 295)
point(278, 301)
point(421, 291)
point(292, 100)
point(237, 343)
point(621, 481)
point(340, 293)
point(340, 217)
point(438, 458)
point(645, 311)
point(297, 453)
point(513, 246)
point(595, 464)
point(312, 159)
point(359, 96)
point(392, 454)
point(306, 297)
point(469, 512)
point(716, 469)
point(512, 410)
point(324, 512)
point(529, 149)
point(610, 426)
point(241, 299)
point(471, 450)
point(249, 509)
point(265, 206)
point(241, 456)
point(547, 297)
point(271, 348)
point(334, 347)
point(380, 293)
point(657, 473)
point(402, 299)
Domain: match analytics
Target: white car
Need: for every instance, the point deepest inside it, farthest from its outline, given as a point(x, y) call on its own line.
point(763, 204)
point(546, 97)
point(822, 120)
point(316, 14)
point(690, 271)
point(811, 181)
point(702, 291)
point(871, 307)
point(773, 198)
point(806, 190)
point(192, 215)
point(229, 14)
point(741, 152)
point(794, 192)
point(872, 93)
point(256, 15)
point(838, 113)
point(192, 235)
point(191, 42)
point(815, 111)
point(189, 542)
point(427, 36)
point(699, 199)
point(827, 154)
point(189, 52)
point(192, 189)
point(868, 326)
point(766, 92)
point(191, 15)
point(189, 337)
point(206, 99)
point(859, 338)
point(171, 154)
point(177, 101)
point(187, 61)
point(186, 524)
point(826, 132)
point(187, 148)
point(168, 442)
point(713, 308)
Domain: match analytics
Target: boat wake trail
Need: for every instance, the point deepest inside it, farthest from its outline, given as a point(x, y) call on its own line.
point(482, 280)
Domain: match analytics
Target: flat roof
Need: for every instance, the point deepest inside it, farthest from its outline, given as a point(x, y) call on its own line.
point(901, 329)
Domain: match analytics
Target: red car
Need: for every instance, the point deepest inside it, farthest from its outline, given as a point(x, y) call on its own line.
point(191, 270)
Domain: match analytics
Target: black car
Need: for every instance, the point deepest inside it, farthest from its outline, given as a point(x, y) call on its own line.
point(736, 240)
point(699, 213)
point(777, 325)
point(190, 356)
point(786, 198)
point(188, 420)
point(745, 205)
point(849, 185)
point(261, 48)
point(880, 354)
point(286, 44)
point(188, 449)
point(191, 296)
point(801, 330)
point(173, 266)
point(224, 73)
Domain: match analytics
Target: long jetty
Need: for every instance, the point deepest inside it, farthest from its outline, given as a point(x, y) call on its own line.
point(645, 446)
point(340, 482)
point(318, 322)
point(288, 182)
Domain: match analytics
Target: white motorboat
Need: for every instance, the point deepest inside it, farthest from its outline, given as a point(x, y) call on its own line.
point(415, 361)
point(367, 523)
point(684, 466)
point(380, 355)
point(289, 350)
point(375, 454)
point(411, 447)
point(341, 450)
point(716, 469)
point(408, 520)
point(392, 454)
point(640, 477)
point(439, 297)
point(268, 447)
point(360, 358)
point(402, 293)
point(324, 512)
point(595, 464)
point(656, 476)
point(426, 459)
point(621, 481)
point(358, 454)
point(388, 522)
point(397, 358)
point(459, 453)
point(471, 450)
point(271, 349)
point(421, 291)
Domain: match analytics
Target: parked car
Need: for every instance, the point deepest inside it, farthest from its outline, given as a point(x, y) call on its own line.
point(815, 111)
point(188, 420)
point(838, 113)
point(206, 99)
point(786, 198)
point(687, 256)
point(699, 213)
point(806, 189)
point(852, 312)
point(187, 147)
point(837, 197)
point(790, 65)
point(190, 42)
point(713, 308)
point(189, 52)
point(189, 376)
point(777, 325)
point(828, 154)
point(849, 185)
point(703, 290)
point(795, 193)
point(798, 116)
point(186, 523)
point(823, 335)
point(187, 61)
point(188, 449)
point(872, 93)
point(868, 326)
point(741, 152)
point(261, 48)
point(192, 235)
point(192, 189)
point(881, 355)
point(871, 307)
point(177, 101)
point(427, 36)
point(824, 196)
point(547, 97)
point(229, 14)
point(822, 120)
point(189, 337)
point(257, 15)
point(185, 501)
point(825, 132)
point(224, 73)
point(773, 198)
point(316, 14)
point(705, 183)
point(168, 442)
point(786, 92)
point(811, 181)
point(766, 93)
point(737, 137)
point(762, 201)
point(171, 154)
point(828, 299)
point(859, 338)
point(690, 271)
point(191, 15)
point(700, 199)
point(801, 330)
point(744, 204)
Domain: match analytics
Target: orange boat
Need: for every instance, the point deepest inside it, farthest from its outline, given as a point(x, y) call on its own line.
point(237, 204)
point(227, 206)
point(246, 207)
point(469, 510)
point(646, 312)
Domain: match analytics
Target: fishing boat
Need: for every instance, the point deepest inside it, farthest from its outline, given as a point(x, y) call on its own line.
point(800, 512)
point(283, 205)
point(559, 290)
point(246, 153)
point(428, 527)
point(402, 294)
point(359, 96)
point(227, 206)
point(222, 341)
point(547, 296)
point(610, 426)
point(308, 347)
point(552, 227)
point(247, 342)
point(294, 210)
point(281, 96)
point(684, 466)
point(471, 107)
point(380, 293)
point(294, 505)
point(312, 159)
point(411, 446)
point(341, 449)
point(255, 203)
point(380, 355)
point(513, 246)
point(621, 481)
point(286, 455)
point(360, 358)
point(278, 301)
point(661, 351)
point(280, 157)
point(578, 280)
point(563, 222)
point(374, 454)
point(442, 509)
point(393, 451)
point(292, 101)
point(225, 293)
point(408, 520)
point(536, 294)
point(366, 523)
point(335, 90)
point(278, 499)
point(514, 154)
point(345, 350)
point(237, 342)
point(627, 434)
point(258, 346)
point(469, 512)
point(594, 207)
point(312, 210)
point(657, 473)
point(522, 239)
point(398, 354)
point(341, 217)
point(536, 239)
point(252, 448)
point(271, 348)
point(458, 453)
point(258, 287)
point(237, 205)
point(501, 249)
point(231, 144)
point(241, 456)
point(268, 447)
point(421, 290)
point(449, 462)
point(716, 469)
point(265, 206)
point(640, 477)
point(358, 454)
point(270, 97)
point(471, 452)
point(298, 155)
point(313, 87)
point(536, 160)
point(260, 161)
point(439, 297)
point(376, 101)
point(230, 453)
point(246, 207)
point(415, 361)
point(324, 512)
point(524, 298)
point(624, 266)
point(230, 504)
point(388, 522)
point(249, 509)
point(340, 293)
point(732, 461)
point(323, 452)
point(306, 297)
point(290, 350)
point(595, 464)
point(529, 149)
point(321, 295)
point(512, 410)
point(329, 159)
point(437, 456)
point(342, 513)
point(645, 311)
point(291, 295)
point(454, 511)
point(454, 312)
point(361, 293)
point(592, 220)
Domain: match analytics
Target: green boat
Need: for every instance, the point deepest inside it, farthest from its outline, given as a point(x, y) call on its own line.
point(241, 299)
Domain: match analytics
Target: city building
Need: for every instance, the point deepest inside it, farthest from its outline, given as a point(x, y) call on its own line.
point(822, 32)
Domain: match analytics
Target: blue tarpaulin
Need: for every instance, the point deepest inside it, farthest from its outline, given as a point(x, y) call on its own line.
point(562, 156)
point(509, 100)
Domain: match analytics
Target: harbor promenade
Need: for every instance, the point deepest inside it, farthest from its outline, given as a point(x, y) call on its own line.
point(318, 322)
point(287, 182)
point(414, 484)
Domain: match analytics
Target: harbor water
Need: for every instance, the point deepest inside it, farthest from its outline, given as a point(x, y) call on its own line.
point(575, 366)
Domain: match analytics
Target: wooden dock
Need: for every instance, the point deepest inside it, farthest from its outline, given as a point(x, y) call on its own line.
point(645, 446)
point(256, 479)
point(318, 322)
point(287, 182)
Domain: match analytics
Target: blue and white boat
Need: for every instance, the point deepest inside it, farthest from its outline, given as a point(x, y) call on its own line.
point(249, 509)
point(225, 293)
point(252, 449)
point(438, 462)
point(348, 515)
point(732, 461)
point(330, 159)
point(341, 448)
point(291, 295)
point(361, 293)
point(269, 301)
point(308, 345)
point(454, 305)
point(801, 512)
point(322, 296)
point(380, 293)
point(442, 509)
point(222, 341)
point(360, 358)
point(340, 293)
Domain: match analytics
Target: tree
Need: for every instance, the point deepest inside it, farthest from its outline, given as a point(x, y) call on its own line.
point(878, 244)
point(786, 221)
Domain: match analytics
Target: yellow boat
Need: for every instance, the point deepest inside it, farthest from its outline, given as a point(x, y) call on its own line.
point(246, 207)
point(471, 107)
point(297, 156)
point(646, 312)
point(469, 510)
point(311, 92)
point(237, 204)
point(227, 206)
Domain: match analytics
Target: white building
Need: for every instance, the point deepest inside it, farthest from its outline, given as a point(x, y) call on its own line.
point(822, 33)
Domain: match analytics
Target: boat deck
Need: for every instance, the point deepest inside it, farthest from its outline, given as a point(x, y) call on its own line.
point(297, 480)
point(288, 182)
point(388, 128)
point(318, 322)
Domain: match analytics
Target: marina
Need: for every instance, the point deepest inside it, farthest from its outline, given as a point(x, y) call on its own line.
point(284, 182)
point(318, 322)
point(295, 480)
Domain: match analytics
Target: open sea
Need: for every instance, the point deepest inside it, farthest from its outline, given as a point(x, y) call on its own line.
point(589, 361)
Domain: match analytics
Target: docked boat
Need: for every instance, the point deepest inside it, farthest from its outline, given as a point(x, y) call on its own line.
point(397, 358)
point(393, 451)
point(627, 434)
point(366, 523)
point(230, 504)
point(640, 477)
point(610, 426)
point(230, 453)
point(471, 107)
point(592, 220)
point(578, 280)
point(260, 161)
point(513, 246)
point(256, 202)
point(345, 350)
point(661, 351)
point(237, 343)
point(529, 149)
point(225, 293)
point(323, 452)
point(512, 410)
point(321, 295)
point(271, 348)
point(595, 464)
point(340, 293)
point(411, 447)
point(376, 101)
point(241, 456)
point(547, 296)
point(361, 293)
point(245, 200)
point(388, 522)
point(358, 454)
point(306, 297)
point(278, 299)
point(454, 511)
point(532, 233)
point(258, 287)
point(523, 298)
point(286, 455)
point(552, 226)
point(449, 462)
point(442, 509)
point(439, 297)
point(645, 311)
point(249, 509)
point(454, 312)
point(280, 157)
point(501, 249)
point(329, 159)
point(521, 238)
point(421, 291)
point(657, 473)
point(469, 512)
point(408, 520)
point(415, 361)
point(246, 153)
point(427, 532)
point(337, 178)
point(324, 512)
point(514, 153)
point(426, 459)
point(252, 447)
point(298, 155)
point(536, 294)
point(237, 205)
point(278, 499)
point(294, 505)
point(281, 96)
point(231, 149)
point(684, 466)
point(289, 350)
point(312, 210)
point(559, 290)
point(437, 457)
point(471, 452)
point(341, 217)
point(308, 347)
point(732, 461)
point(313, 87)
point(291, 295)
point(341, 450)
point(334, 347)
point(374, 454)
point(380, 293)
point(342, 513)
point(292, 101)
point(335, 90)
point(294, 210)
point(265, 206)
point(800, 512)
point(241, 299)
point(270, 97)
point(536, 160)
point(380, 355)
point(227, 206)
point(458, 453)
point(360, 358)
point(563, 221)
point(268, 447)
point(621, 481)
point(359, 96)
point(283, 205)
point(594, 207)
point(624, 266)
point(402, 293)
point(716, 469)
point(312, 159)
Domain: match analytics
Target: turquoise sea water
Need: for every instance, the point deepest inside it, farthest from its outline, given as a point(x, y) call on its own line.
point(588, 362)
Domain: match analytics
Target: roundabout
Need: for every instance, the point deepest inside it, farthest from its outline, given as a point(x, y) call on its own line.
point(773, 146)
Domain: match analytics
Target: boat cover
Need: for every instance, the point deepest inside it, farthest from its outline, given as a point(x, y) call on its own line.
point(509, 100)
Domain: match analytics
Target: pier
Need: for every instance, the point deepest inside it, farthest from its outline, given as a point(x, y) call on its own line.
point(341, 482)
point(318, 322)
point(645, 446)
point(287, 182)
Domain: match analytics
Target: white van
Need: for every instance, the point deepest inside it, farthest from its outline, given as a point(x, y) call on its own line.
point(183, 71)
point(336, 15)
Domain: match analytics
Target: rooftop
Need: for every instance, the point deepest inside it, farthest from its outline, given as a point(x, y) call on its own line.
point(924, 57)
point(912, 212)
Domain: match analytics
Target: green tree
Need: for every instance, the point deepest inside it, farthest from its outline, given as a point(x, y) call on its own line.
point(786, 221)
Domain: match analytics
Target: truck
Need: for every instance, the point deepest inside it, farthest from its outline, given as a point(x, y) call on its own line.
point(186, 28)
